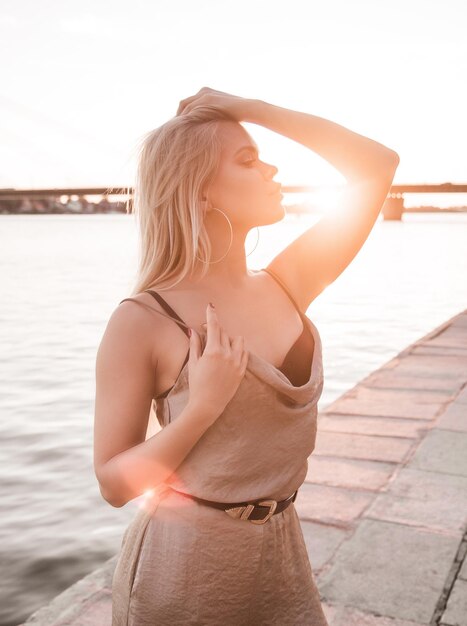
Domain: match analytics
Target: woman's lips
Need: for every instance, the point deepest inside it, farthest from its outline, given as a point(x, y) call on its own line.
point(277, 190)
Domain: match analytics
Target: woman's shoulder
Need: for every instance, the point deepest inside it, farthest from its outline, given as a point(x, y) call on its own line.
point(136, 304)
point(134, 322)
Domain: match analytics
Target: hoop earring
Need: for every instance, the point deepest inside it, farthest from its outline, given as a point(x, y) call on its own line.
point(231, 240)
point(257, 240)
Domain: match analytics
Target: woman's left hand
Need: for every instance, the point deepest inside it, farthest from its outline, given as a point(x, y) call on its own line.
point(235, 106)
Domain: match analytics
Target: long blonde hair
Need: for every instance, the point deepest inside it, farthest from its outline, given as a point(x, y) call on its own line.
point(175, 163)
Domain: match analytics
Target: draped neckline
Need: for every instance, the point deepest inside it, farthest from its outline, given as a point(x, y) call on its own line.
point(267, 371)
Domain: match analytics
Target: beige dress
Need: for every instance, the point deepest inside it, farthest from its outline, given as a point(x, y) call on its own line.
point(184, 563)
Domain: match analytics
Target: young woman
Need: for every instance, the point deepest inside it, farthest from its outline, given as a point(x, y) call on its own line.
point(235, 385)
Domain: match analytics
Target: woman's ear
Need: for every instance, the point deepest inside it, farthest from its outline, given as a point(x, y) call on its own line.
point(205, 202)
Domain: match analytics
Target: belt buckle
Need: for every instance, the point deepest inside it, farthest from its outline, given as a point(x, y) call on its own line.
point(272, 504)
point(243, 512)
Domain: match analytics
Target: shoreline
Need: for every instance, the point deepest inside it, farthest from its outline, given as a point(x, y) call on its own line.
point(120, 209)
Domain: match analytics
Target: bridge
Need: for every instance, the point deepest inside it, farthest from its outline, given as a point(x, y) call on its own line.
point(392, 209)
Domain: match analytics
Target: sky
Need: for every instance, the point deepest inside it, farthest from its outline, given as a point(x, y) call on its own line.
point(82, 81)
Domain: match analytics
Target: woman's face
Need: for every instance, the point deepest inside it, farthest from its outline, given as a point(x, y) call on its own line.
point(243, 187)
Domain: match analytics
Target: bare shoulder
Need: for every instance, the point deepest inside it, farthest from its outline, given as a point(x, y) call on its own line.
point(285, 277)
point(136, 322)
point(125, 380)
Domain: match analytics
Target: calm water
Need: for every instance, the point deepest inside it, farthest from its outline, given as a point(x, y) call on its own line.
point(62, 276)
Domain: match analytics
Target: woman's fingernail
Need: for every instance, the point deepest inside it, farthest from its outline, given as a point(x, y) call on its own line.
point(211, 305)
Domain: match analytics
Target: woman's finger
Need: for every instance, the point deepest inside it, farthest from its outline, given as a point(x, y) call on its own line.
point(237, 345)
point(213, 329)
point(184, 103)
point(225, 340)
point(194, 352)
point(244, 362)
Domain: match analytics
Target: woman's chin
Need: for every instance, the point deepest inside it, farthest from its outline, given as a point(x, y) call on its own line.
point(277, 214)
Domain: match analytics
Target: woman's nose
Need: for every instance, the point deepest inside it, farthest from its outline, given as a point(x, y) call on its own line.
point(272, 169)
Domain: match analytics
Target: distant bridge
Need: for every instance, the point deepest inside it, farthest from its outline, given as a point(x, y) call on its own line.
point(392, 209)
point(393, 206)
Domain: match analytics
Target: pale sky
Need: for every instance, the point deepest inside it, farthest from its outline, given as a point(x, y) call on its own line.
point(82, 80)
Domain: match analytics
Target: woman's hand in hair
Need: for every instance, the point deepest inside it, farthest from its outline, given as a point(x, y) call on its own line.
point(236, 107)
point(214, 375)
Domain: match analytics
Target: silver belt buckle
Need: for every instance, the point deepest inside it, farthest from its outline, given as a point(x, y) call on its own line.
point(243, 512)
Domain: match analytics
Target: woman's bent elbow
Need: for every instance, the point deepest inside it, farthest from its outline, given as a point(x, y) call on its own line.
point(113, 499)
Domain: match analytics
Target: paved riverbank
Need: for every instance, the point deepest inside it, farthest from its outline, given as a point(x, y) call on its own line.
point(384, 506)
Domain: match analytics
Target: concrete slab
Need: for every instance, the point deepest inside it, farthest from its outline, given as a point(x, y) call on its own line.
point(442, 451)
point(456, 610)
point(436, 515)
point(459, 320)
point(392, 449)
point(322, 540)
point(86, 603)
point(337, 615)
point(97, 612)
point(463, 570)
point(330, 505)
point(415, 483)
point(443, 367)
point(454, 417)
point(374, 425)
point(462, 396)
point(385, 378)
point(361, 400)
point(436, 350)
point(451, 337)
point(389, 569)
point(353, 473)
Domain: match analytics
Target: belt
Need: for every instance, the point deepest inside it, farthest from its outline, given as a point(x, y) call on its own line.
point(254, 511)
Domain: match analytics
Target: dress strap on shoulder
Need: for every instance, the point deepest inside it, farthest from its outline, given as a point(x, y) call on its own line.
point(172, 315)
point(166, 306)
point(281, 283)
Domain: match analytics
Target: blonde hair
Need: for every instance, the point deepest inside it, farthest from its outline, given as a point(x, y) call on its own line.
point(176, 162)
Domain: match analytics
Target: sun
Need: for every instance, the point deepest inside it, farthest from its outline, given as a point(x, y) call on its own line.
point(328, 199)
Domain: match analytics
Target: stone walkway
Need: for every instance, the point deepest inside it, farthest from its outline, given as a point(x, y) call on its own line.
point(384, 505)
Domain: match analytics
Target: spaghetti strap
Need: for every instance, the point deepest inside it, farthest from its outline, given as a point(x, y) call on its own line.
point(264, 269)
point(178, 320)
point(165, 305)
point(172, 316)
